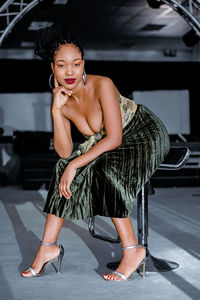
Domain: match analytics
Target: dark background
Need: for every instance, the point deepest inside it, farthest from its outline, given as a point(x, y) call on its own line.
point(26, 76)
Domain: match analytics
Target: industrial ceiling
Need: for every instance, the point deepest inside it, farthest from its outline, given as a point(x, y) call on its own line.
point(107, 29)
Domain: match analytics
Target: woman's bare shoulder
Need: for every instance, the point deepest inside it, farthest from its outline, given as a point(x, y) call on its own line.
point(99, 81)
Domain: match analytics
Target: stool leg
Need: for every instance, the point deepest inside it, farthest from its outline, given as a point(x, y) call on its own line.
point(153, 264)
point(142, 216)
point(142, 223)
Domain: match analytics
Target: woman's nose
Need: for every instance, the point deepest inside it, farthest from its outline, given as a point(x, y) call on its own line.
point(69, 71)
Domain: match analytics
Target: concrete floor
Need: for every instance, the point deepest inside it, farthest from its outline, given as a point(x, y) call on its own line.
point(174, 233)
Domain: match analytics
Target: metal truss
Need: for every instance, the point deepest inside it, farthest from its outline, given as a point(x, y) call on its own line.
point(189, 10)
point(11, 12)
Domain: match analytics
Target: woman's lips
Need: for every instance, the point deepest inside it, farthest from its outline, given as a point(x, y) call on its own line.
point(70, 80)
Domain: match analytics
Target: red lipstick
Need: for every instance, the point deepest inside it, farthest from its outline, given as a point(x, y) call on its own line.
point(70, 80)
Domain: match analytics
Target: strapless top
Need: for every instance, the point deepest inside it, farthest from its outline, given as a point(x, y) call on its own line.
point(128, 108)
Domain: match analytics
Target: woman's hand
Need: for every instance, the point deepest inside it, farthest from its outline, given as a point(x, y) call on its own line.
point(66, 180)
point(60, 95)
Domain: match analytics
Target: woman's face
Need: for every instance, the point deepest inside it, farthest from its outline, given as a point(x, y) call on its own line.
point(68, 66)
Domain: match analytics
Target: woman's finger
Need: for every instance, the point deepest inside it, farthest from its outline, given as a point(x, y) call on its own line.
point(65, 192)
point(55, 82)
point(68, 190)
point(62, 189)
point(59, 189)
point(61, 89)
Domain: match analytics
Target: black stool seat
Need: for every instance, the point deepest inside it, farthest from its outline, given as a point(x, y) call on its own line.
point(175, 159)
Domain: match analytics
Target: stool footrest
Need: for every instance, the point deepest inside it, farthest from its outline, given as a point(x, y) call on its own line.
point(99, 236)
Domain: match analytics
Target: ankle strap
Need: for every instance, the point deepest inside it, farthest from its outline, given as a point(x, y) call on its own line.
point(133, 246)
point(48, 244)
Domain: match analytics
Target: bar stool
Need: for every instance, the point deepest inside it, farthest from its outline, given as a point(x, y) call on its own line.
point(175, 160)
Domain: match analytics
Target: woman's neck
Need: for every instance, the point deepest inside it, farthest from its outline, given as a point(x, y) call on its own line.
point(78, 91)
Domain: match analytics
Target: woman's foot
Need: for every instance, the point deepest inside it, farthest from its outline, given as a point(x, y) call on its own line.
point(131, 259)
point(44, 254)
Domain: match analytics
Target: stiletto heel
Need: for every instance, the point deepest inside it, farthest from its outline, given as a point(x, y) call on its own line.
point(143, 270)
point(142, 263)
point(59, 265)
point(46, 264)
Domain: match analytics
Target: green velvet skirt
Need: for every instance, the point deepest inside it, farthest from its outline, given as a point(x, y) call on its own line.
point(109, 184)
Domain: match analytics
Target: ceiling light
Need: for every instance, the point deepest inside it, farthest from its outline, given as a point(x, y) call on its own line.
point(61, 2)
point(35, 25)
point(25, 44)
point(164, 13)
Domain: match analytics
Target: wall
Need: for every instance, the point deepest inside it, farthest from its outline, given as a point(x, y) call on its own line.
point(172, 107)
point(25, 95)
point(25, 111)
point(29, 76)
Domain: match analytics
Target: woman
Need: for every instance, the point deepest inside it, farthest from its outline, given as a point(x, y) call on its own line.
point(125, 143)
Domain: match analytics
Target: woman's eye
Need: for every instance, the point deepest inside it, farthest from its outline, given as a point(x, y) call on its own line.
point(77, 65)
point(60, 66)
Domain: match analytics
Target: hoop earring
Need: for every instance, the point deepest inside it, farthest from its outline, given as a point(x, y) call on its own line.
point(50, 77)
point(84, 77)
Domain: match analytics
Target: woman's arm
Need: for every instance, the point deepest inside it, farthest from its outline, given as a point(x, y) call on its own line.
point(62, 130)
point(63, 144)
point(109, 99)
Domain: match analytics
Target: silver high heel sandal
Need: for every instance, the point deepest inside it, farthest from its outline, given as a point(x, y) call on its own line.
point(125, 278)
point(46, 264)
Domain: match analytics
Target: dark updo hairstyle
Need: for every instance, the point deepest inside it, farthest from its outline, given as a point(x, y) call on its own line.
point(50, 38)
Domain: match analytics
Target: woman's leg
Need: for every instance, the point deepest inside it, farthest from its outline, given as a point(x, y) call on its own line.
point(52, 228)
point(131, 258)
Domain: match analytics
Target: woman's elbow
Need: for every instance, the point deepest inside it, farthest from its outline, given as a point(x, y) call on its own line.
point(64, 155)
point(116, 142)
point(119, 142)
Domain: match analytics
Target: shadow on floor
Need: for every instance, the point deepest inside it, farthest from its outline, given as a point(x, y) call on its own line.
point(28, 241)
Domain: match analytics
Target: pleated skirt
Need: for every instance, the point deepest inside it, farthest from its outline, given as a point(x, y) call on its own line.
point(108, 185)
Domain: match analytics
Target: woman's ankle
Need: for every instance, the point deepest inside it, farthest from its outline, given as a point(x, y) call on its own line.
point(133, 252)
